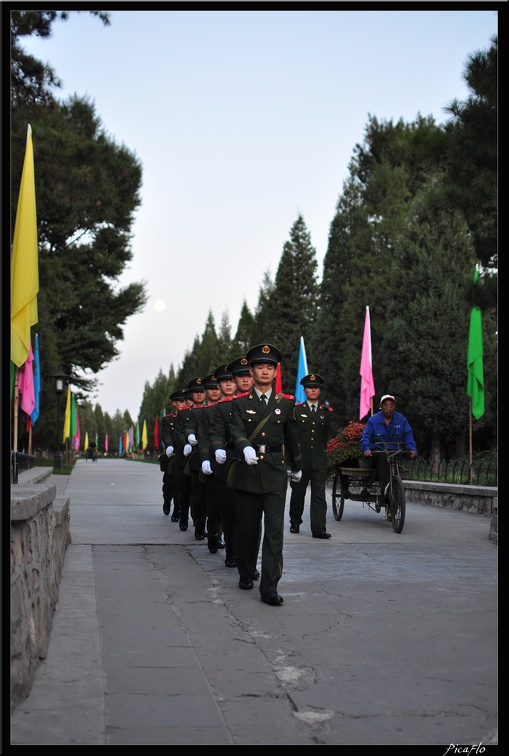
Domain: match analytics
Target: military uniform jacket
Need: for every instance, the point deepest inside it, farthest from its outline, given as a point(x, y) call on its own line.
point(203, 435)
point(220, 436)
point(167, 428)
point(278, 437)
point(179, 436)
point(314, 432)
point(191, 426)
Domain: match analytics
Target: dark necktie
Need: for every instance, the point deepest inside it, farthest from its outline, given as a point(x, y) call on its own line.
point(263, 399)
point(313, 409)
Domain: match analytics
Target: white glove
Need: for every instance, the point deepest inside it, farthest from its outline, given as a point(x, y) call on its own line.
point(206, 468)
point(296, 476)
point(220, 456)
point(192, 439)
point(250, 456)
point(187, 449)
point(169, 451)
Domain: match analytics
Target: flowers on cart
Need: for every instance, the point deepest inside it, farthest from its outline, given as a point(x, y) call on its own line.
point(345, 445)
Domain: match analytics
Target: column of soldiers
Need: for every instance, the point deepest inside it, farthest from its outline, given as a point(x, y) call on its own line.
point(231, 444)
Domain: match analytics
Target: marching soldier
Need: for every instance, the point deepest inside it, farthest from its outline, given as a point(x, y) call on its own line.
point(263, 429)
point(314, 426)
point(193, 464)
point(234, 380)
point(170, 477)
point(212, 492)
point(183, 481)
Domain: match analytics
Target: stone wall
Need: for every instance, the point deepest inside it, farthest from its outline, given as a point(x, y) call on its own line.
point(40, 534)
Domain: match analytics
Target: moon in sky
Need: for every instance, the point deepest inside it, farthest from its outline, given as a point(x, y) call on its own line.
point(160, 305)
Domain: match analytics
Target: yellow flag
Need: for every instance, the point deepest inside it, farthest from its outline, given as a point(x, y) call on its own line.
point(85, 445)
point(144, 436)
point(67, 419)
point(24, 262)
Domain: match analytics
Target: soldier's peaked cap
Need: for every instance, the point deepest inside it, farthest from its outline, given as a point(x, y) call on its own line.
point(210, 381)
point(180, 394)
point(240, 366)
point(264, 353)
point(196, 385)
point(222, 373)
point(313, 380)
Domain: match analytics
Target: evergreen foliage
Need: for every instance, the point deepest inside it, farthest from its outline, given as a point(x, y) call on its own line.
point(416, 212)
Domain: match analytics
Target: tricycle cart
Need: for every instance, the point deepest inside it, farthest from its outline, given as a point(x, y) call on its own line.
point(362, 484)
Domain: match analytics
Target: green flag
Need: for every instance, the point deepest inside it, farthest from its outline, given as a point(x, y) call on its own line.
point(475, 376)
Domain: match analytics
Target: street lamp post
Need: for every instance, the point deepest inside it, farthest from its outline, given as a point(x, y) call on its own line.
point(59, 377)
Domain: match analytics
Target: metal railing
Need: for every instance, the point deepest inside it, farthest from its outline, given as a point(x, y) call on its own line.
point(480, 473)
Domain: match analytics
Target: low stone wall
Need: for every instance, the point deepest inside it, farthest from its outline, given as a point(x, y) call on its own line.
point(40, 534)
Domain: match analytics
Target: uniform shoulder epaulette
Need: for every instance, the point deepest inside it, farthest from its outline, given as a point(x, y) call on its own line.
point(239, 396)
point(227, 399)
point(329, 409)
point(288, 396)
point(299, 404)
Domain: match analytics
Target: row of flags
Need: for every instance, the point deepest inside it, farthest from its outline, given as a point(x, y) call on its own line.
point(25, 366)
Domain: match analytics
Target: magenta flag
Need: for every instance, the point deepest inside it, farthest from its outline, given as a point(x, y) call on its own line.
point(366, 371)
point(76, 437)
point(26, 383)
point(106, 443)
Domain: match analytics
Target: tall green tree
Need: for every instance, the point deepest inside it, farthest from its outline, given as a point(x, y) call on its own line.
point(472, 168)
point(85, 216)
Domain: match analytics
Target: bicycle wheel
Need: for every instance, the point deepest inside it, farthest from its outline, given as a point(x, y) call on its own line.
point(398, 505)
point(337, 493)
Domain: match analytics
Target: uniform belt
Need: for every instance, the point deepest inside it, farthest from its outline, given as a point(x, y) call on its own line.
point(264, 448)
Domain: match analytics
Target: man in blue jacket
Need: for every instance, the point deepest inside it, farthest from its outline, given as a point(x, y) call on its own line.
point(386, 426)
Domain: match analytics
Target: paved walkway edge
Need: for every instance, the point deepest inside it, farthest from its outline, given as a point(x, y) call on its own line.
point(73, 661)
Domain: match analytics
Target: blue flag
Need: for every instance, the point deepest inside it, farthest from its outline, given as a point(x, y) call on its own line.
point(302, 370)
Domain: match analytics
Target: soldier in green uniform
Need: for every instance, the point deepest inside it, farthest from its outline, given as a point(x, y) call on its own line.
point(193, 464)
point(212, 492)
point(264, 432)
point(234, 379)
point(314, 427)
point(169, 477)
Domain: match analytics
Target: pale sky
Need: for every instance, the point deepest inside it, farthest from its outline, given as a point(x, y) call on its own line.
point(242, 120)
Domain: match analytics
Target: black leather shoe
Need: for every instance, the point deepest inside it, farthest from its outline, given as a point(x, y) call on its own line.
point(274, 599)
point(183, 524)
point(256, 575)
point(230, 561)
point(321, 534)
point(212, 544)
point(199, 536)
point(166, 509)
point(246, 584)
point(175, 516)
point(294, 528)
point(220, 543)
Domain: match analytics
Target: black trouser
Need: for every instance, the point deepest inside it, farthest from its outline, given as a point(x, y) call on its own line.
point(213, 499)
point(198, 501)
point(182, 493)
point(318, 507)
point(228, 517)
point(168, 485)
point(251, 508)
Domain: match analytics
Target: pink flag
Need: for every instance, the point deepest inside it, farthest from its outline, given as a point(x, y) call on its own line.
point(26, 383)
point(76, 437)
point(106, 443)
point(366, 372)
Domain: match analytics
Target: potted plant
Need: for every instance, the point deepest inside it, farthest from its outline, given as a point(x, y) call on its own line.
point(344, 448)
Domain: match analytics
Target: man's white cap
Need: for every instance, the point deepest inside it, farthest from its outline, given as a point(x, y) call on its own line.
point(387, 396)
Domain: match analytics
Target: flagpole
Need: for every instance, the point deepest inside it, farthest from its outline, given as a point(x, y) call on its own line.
point(470, 458)
point(15, 427)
